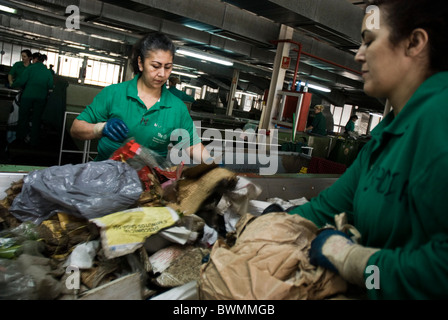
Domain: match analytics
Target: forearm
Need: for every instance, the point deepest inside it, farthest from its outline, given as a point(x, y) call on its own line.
point(83, 130)
point(199, 153)
point(10, 79)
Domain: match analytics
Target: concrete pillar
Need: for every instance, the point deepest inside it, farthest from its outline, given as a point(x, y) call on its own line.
point(278, 77)
point(128, 72)
point(233, 87)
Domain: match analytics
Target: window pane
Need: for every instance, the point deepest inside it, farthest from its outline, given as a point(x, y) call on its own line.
point(347, 112)
point(16, 55)
point(6, 58)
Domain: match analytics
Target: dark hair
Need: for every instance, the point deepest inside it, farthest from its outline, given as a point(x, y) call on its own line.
point(43, 58)
point(27, 52)
point(40, 57)
point(150, 42)
point(403, 16)
point(354, 117)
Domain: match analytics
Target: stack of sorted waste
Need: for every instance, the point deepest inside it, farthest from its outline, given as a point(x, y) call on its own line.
point(137, 227)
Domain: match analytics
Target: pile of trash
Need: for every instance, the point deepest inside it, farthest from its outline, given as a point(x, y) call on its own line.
point(153, 230)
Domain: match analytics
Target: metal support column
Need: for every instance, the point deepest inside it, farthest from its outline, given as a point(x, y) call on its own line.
point(233, 87)
point(277, 79)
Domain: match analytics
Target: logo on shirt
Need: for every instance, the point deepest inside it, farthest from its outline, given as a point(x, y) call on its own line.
point(144, 121)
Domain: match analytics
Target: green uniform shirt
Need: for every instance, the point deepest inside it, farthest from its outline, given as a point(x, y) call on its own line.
point(151, 128)
point(350, 126)
point(36, 80)
point(319, 124)
point(396, 193)
point(180, 94)
point(17, 69)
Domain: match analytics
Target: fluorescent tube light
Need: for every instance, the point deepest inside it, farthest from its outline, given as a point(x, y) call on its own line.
point(8, 9)
point(76, 46)
point(184, 74)
point(88, 55)
point(204, 57)
point(316, 87)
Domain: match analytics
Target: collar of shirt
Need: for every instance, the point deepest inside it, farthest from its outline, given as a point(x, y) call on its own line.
point(399, 124)
point(132, 92)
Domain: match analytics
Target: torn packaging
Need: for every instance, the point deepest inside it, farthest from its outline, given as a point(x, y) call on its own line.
point(194, 192)
point(269, 261)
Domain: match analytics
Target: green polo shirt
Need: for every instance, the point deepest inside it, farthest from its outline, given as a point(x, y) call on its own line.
point(151, 128)
point(180, 94)
point(350, 126)
point(17, 69)
point(396, 194)
point(36, 80)
point(319, 124)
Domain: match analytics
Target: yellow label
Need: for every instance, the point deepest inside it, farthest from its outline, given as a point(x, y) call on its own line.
point(135, 225)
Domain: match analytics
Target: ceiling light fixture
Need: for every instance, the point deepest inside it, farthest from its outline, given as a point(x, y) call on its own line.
point(8, 9)
point(316, 87)
point(204, 57)
point(184, 74)
point(88, 55)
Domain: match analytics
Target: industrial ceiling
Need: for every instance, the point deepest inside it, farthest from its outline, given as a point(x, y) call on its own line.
point(244, 31)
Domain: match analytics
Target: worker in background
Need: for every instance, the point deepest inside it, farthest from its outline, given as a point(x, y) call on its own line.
point(16, 70)
point(37, 81)
point(394, 192)
point(36, 56)
point(51, 69)
point(319, 124)
point(19, 66)
point(173, 81)
point(141, 108)
point(350, 126)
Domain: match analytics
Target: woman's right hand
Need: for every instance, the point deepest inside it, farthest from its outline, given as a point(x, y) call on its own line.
point(116, 130)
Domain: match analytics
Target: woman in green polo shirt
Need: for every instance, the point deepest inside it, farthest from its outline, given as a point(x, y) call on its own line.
point(16, 70)
point(37, 82)
point(395, 193)
point(19, 66)
point(141, 108)
point(350, 126)
point(319, 124)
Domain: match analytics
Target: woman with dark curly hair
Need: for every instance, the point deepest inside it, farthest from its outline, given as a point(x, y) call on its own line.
point(141, 108)
point(394, 194)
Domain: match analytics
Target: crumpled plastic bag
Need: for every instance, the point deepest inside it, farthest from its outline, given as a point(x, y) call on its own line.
point(88, 190)
point(235, 202)
point(83, 255)
point(12, 240)
point(152, 168)
point(14, 284)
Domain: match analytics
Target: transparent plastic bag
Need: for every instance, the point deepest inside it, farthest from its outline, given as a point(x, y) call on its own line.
point(15, 285)
point(138, 156)
point(148, 163)
point(11, 240)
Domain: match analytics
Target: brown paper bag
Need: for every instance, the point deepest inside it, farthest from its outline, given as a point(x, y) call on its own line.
point(269, 261)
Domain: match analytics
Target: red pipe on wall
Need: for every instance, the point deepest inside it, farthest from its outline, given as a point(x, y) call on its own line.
point(330, 62)
point(299, 51)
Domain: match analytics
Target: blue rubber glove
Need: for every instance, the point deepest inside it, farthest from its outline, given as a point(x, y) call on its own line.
point(317, 258)
point(116, 130)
